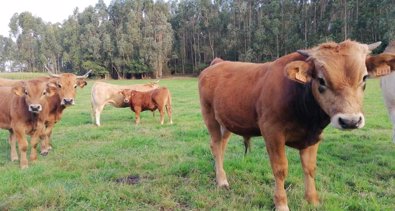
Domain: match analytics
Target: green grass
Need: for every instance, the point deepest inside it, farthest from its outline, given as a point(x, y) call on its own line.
point(356, 169)
point(21, 75)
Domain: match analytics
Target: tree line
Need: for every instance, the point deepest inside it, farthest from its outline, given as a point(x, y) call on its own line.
point(141, 38)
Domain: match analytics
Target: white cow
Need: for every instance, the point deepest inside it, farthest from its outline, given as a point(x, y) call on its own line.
point(105, 93)
point(388, 88)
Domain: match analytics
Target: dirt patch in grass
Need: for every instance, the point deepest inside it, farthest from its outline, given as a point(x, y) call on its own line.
point(130, 180)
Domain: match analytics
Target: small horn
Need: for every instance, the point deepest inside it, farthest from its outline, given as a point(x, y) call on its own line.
point(85, 75)
point(50, 73)
point(374, 45)
point(305, 53)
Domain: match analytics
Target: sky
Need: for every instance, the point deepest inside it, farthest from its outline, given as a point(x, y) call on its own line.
point(48, 10)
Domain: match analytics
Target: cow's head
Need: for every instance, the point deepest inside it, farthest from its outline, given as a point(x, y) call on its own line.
point(35, 93)
point(67, 84)
point(127, 94)
point(338, 73)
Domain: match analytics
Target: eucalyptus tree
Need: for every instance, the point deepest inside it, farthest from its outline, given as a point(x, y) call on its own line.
point(27, 30)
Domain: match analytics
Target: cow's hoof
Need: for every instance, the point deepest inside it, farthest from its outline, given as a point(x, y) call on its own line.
point(282, 208)
point(44, 153)
point(14, 159)
point(224, 185)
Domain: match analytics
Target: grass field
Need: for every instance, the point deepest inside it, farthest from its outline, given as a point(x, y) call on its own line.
point(171, 166)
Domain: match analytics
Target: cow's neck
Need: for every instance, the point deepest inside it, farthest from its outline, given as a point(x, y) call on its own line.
point(307, 113)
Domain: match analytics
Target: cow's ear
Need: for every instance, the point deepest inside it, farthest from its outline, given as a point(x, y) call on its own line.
point(19, 89)
point(381, 64)
point(51, 89)
point(299, 71)
point(81, 83)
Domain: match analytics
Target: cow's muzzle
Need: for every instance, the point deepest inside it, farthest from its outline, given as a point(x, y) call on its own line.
point(348, 121)
point(35, 108)
point(67, 101)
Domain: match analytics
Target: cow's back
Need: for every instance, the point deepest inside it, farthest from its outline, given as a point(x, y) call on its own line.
point(8, 82)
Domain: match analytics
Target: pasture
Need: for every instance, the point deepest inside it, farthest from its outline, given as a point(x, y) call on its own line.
point(170, 167)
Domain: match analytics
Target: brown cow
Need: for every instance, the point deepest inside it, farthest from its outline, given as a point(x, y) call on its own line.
point(66, 84)
point(289, 102)
point(105, 93)
point(159, 98)
point(23, 110)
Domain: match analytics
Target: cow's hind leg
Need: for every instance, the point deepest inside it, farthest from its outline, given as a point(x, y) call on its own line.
point(96, 114)
point(392, 115)
point(169, 113)
point(218, 144)
point(308, 158)
point(162, 114)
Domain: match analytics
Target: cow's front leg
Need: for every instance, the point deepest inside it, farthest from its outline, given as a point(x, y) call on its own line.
point(46, 139)
point(34, 143)
point(308, 157)
point(275, 146)
point(12, 142)
point(137, 110)
point(22, 145)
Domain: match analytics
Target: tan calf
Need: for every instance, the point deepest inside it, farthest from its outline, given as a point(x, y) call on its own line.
point(159, 98)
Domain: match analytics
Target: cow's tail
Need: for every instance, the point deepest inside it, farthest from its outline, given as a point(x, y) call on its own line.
point(216, 60)
point(247, 144)
point(169, 108)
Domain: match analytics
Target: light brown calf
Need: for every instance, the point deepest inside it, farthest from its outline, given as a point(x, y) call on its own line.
point(23, 111)
point(289, 102)
point(105, 93)
point(159, 98)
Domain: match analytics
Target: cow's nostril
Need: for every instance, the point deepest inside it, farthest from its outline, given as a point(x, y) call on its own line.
point(342, 123)
point(350, 123)
point(68, 101)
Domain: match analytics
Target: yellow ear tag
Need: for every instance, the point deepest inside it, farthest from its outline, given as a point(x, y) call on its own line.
point(383, 69)
point(300, 77)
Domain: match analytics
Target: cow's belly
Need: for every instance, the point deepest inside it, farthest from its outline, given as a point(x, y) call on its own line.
point(238, 121)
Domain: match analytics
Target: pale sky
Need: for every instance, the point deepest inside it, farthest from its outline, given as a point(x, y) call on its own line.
point(48, 10)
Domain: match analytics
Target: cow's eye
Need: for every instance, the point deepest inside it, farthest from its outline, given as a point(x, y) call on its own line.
point(322, 86)
point(59, 85)
point(26, 93)
point(75, 86)
point(321, 81)
point(44, 92)
point(364, 78)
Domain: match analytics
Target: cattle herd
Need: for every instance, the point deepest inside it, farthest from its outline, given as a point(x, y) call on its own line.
point(288, 101)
